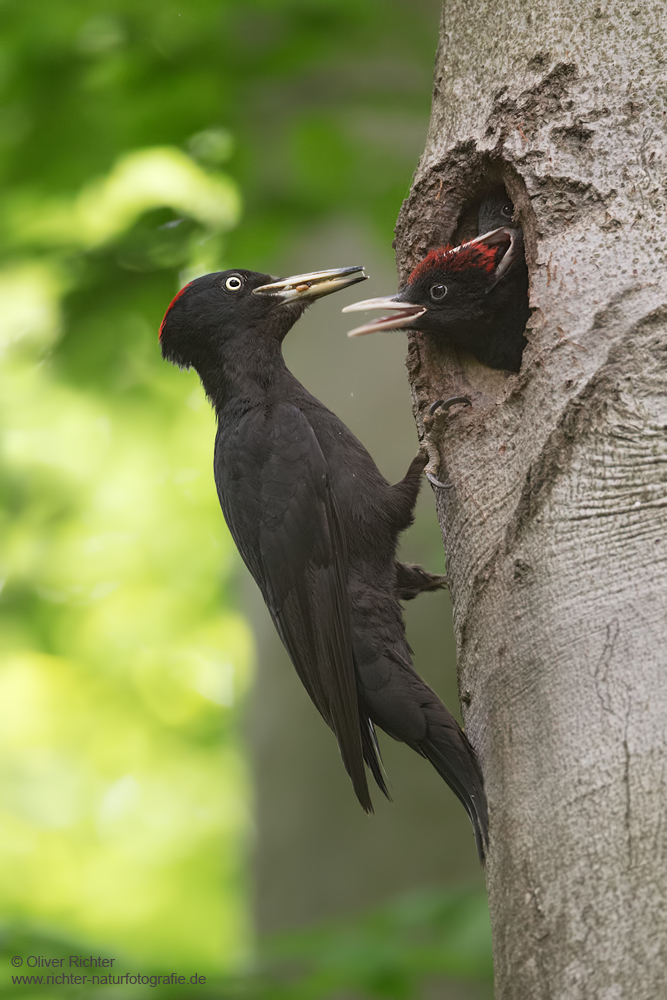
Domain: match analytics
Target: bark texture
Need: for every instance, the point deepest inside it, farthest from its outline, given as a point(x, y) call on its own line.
point(554, 525)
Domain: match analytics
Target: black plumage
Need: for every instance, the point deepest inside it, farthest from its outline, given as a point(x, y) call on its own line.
point(317, 525)
point(474, 296)
point(508, 299)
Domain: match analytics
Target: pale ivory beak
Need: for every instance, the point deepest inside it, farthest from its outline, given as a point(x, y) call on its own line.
point(406, 314)
point(496, 237)
point(312, 285)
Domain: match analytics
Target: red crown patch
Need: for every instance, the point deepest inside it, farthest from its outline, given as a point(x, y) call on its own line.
point(457, 260)
point(175, 298)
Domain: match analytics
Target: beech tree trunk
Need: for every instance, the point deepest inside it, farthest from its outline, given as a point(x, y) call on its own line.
point(554, 526)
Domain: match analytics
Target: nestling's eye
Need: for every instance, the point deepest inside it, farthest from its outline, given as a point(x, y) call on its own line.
point(438, 292)
point(234, 283)
point(507, 210)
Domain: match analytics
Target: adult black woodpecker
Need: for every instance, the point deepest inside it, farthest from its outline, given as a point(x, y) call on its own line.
point(317, 525)
point(475, 295)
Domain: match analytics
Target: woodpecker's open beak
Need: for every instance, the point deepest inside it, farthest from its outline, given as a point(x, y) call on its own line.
point(301, 287)
point(406, 314)
point(499, 237)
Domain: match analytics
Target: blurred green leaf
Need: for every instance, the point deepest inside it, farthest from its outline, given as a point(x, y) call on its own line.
point(419, 945)
point(123, 787)
point(392, 951)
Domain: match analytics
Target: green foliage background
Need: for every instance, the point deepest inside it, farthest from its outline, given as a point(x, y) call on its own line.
point(133, 138)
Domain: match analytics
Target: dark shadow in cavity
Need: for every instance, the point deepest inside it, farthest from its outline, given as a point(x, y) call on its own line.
point(489, 206)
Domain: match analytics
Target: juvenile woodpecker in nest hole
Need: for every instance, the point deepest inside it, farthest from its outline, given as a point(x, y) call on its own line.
point(474, 296)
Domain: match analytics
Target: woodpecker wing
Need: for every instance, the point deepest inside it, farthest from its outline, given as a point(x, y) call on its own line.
point(274, 489)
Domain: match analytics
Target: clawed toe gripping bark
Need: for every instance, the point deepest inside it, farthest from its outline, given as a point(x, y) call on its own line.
point(434, 421)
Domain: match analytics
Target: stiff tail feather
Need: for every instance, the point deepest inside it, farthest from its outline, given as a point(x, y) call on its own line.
point(459, 767)
point(372, 755)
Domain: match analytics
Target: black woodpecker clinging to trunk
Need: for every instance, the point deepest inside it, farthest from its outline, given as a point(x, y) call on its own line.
point(317, 525)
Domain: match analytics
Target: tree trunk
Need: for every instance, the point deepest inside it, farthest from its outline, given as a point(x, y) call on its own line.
point(554, 525)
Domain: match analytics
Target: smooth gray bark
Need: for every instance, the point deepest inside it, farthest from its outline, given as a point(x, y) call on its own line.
point(554, 527)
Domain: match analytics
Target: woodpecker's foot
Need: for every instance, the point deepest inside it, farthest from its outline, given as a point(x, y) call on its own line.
point(434, 421)
point(413, 580)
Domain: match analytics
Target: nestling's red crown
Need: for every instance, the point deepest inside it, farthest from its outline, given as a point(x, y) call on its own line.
point(457, 260)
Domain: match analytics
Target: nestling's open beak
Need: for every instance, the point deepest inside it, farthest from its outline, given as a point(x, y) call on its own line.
point(498, 237)
point(406, 314)
point(301, 287)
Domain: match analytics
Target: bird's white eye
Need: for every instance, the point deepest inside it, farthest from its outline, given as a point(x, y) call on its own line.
point(507, 210)
point(438, 292)
point(234, 283)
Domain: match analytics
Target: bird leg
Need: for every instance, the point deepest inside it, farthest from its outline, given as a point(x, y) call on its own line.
point(402, 496)
point(434, 422)
point(412, 580)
